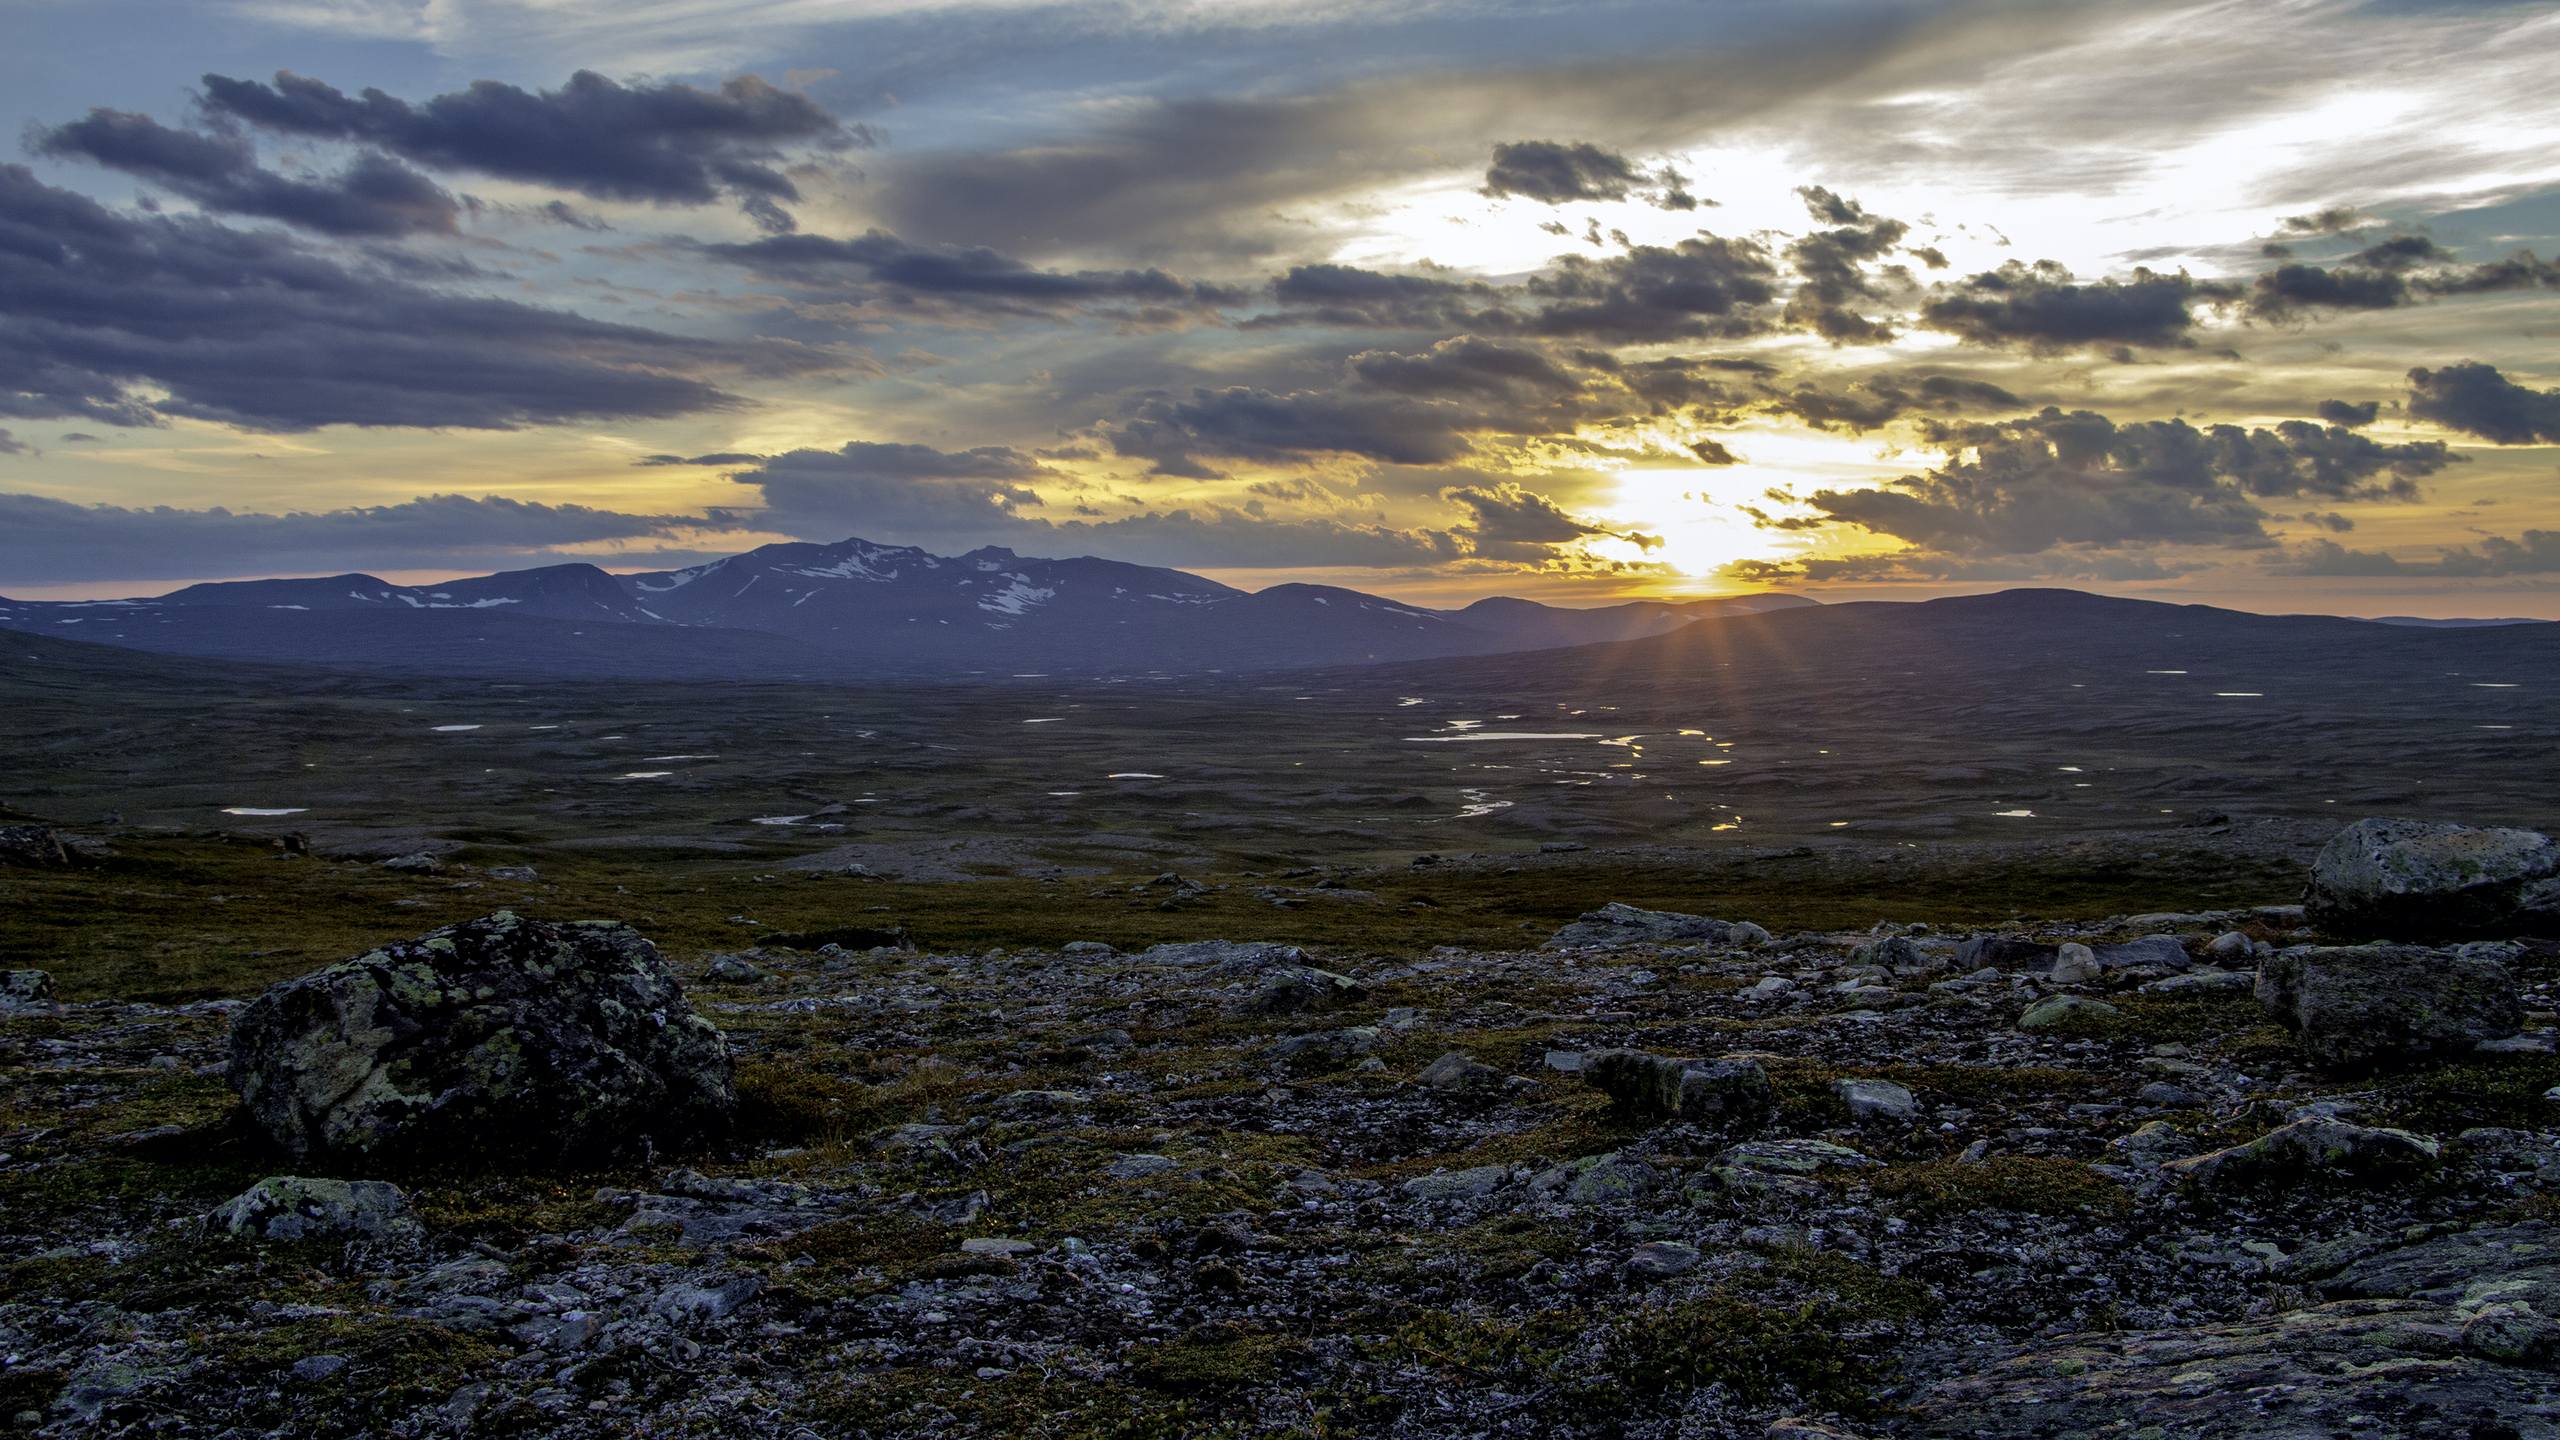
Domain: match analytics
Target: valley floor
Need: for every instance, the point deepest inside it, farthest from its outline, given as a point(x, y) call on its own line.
point(994, 1186)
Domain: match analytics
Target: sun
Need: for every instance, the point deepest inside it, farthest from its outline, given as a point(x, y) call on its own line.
point(1697, 512)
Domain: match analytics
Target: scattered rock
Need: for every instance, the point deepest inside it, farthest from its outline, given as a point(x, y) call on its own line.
point(1296, 989)
point(2060, 1010)
point(2159, 952)
point(2363, 1005)
point(2418, 879)
point(417, 862)
point(1614, 925)
point(1320, 1050)
point(2005, 952)
point(734, 970)
point(1662, 1259)
point(1459, 1073)
point(1472, 1184)
point(2357, 1367)
point(2074, 964)
point(2310, 1149)
point(1876, 1102)
point(501, 1036)
point(33, 845)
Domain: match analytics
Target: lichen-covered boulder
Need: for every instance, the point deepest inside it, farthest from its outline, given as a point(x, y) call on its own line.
point(291, 1207)
point(24, 989)
point(2355, 1006)
point(1732, 1094)
point(2413, 879)
point(500, 1037)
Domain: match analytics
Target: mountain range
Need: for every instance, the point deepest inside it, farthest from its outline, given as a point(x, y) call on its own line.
point(849, 609)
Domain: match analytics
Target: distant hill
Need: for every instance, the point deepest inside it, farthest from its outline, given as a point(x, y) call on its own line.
point(836, 611)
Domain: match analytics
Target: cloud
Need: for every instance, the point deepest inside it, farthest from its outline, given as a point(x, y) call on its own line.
point(869, 488)
point(2073, 486)
point(879, 268)
point(2401, 270)
point(1703, 287)
point(1711, 451)
point(664, 144)
point(44, 540)
point(2536, 552)
point(2041, 307)
point(1509, 522)
point(98, 310)
point(373, 196)
point(1179, 435)
point(716, 458)
point(1831, 264)
point(2477, 400)
point(2350, 413)
point(1880, 399)
point(1354, 298)
point(1558, 174)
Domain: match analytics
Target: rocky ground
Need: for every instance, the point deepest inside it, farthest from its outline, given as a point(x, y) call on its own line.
point(2062, 1179)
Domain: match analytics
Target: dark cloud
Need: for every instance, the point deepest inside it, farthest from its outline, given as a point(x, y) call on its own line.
point(1179, 436)
point(2078, 485)
point(98, 308)
point(1466, 366)
point(1704, 287)
point(2477, 400)
point(12, 445)
point(1354, 298)
point(2350, 413)
point(1509, 522)
point(960, 498)
point(2336, 220)
point(373, 196)
point(1832, 266)
point(1559, 174)
point(2041, 307)
point(1711, 451)
point(1879, 400)
point(665, 144)
point(2536, 552)
point(878, 268)
point(44, 540)
point(2400, 270)
point(716, 458)
point(873, 488)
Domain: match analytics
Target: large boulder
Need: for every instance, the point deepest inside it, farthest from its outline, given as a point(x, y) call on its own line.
point(2356, 1006)
point(1732, 1094)
point(500, 1037)
point(2412, 879)
point(1615, 924)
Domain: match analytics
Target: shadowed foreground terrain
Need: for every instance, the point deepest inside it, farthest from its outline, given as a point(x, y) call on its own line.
point(1056, 1161)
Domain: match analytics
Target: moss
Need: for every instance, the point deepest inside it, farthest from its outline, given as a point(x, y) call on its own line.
point(394, 1366)
point(883, 1404)
point(1216, 1358)
point(1799, 1272)
point(2505, 1092)
point(510, 1210)
point(1762, 1353)
point(2031, 1185)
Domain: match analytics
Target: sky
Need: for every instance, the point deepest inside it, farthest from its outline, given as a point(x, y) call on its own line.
point(2243, 303)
